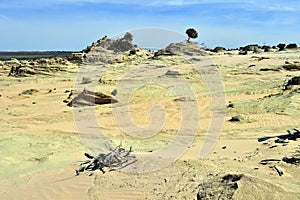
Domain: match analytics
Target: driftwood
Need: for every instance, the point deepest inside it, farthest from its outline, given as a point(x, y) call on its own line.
point(282, 141)
point(290, 136)
point(280, 173)
point(266, 161)
point(291, 160)
point(117, 158)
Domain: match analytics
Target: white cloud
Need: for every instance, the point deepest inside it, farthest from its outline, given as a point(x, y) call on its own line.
point(271, 5)
point(267, 5)
point(47, 3)
point(191, 2)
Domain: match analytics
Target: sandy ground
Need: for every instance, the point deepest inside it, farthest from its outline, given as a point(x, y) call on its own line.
point(40, 145)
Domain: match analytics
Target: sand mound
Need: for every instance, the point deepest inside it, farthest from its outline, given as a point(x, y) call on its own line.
point(183, 49)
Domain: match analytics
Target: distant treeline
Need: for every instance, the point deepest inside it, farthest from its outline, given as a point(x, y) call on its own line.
point(29, 55)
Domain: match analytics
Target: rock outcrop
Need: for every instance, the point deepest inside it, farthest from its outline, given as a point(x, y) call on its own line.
point(219, 187)
point(108, 50)
point(88, 98)
point(43, 66)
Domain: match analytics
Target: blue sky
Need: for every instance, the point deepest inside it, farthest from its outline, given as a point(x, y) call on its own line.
point(74, 24)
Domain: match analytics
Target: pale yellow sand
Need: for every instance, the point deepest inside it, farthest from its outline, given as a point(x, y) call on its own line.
point(39, 143)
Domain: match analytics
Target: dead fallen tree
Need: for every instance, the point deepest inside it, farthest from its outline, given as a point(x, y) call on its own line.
point(290, 136)
point(117, 158)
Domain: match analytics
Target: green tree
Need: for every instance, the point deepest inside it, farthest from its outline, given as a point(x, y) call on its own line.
point(192, 33)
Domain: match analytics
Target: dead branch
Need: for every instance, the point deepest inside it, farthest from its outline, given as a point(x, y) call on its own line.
point(117, 158)
point(290, 136)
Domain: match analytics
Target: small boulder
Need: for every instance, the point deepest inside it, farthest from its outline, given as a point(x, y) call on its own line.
point(172, 73)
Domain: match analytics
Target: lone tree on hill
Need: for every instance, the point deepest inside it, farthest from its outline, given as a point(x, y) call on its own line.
point(192, 33)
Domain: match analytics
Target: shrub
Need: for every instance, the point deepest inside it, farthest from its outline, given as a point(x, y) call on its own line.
point(291, 46)
point(219, 49)
point(281, 46)
point(128, 36)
